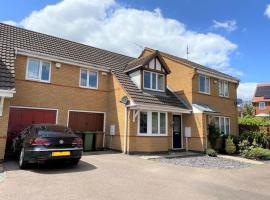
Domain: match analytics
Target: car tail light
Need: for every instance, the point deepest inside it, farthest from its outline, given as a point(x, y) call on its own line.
point(40, 141)
point(77, 141)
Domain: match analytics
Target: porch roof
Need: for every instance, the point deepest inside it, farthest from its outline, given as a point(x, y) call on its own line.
point(203, 108)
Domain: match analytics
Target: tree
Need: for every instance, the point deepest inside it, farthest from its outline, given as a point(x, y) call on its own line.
point(248, 109)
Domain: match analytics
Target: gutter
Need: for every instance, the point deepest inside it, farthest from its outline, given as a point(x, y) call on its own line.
point(159, 108)
point(7, 93)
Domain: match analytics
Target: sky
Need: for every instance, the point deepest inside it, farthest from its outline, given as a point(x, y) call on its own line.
point(227, 35)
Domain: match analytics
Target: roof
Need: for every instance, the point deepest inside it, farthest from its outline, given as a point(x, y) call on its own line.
point(262, 93)
point(195, 65)
point(203, 108)
point(139, 62)
point(12, 38)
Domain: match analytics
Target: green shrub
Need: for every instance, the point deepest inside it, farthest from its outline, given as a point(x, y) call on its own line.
point(258, 153)
point(213, 135)
point(230, 146)
point(211, 152)
point(258, 121)
point(260, 137)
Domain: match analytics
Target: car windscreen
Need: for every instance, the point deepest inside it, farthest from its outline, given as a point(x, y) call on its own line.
point(53, 130)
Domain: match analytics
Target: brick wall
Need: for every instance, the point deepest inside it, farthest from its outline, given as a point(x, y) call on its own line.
point(3, 128)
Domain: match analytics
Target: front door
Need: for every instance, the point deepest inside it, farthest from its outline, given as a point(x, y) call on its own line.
point(177, 135)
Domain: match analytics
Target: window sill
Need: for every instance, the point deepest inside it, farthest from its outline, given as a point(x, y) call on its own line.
point(205, 93)
point(36, 80)
point(152, 135)
point(153, 90)
point(90, 88)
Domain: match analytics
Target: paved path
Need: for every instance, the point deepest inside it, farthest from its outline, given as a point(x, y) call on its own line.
point(117, 176)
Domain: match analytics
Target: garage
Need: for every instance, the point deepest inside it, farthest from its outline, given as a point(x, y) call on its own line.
point(86, 121)
point(21, 117)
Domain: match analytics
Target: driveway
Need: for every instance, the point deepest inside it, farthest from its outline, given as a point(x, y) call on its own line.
point(117, 176)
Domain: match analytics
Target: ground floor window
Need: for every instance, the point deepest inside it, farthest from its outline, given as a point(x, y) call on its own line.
point(152, 123)
point(223, 123)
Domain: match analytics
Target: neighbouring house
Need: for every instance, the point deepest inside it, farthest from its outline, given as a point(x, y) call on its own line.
point(144, 104)
point(261, 100)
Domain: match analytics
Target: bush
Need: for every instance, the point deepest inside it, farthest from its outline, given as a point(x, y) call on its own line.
point(230, 146)
point(260, 137)
point(213, 135)
point(258, 121)
point(211, 152)
point(258, 153)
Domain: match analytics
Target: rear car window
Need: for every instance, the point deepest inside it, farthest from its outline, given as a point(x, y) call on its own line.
point(53, 130)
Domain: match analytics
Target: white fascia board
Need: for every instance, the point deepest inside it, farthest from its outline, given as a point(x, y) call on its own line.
point(211, 74)
point(7, 93)
point(60, 60)
point(159, 108)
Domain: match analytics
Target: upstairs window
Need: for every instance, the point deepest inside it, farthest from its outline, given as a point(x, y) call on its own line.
point(38, 70)
point(153, 81)
point(88, 79)
point(204, 84)
point(223, 88)
point(261, 105)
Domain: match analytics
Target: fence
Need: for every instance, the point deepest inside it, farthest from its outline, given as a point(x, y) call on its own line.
point(244, 128)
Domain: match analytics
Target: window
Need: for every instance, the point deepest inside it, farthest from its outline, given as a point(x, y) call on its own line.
point(153, 81)
point(38, 70)
point(204, 84)
point(223, 88)
point(152, 123)
point(261, 105)
point(223, 123)
point(89, 79)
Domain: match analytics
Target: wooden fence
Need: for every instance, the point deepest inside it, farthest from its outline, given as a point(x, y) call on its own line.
point(245, 128)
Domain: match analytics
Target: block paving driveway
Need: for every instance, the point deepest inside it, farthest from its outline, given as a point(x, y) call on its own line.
point(109, 176)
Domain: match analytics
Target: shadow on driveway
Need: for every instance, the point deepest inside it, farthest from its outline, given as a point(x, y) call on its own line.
point(51, 167)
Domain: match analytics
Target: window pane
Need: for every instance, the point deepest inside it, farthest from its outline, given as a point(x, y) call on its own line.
point(202, 83)
point(154, 122)
point(143, 122)
point(146, 79)
point(160, 82)
point(45, 73)
point(162, 123)
point(227, 121)
point(33, 69)
point(83, 77)
point(207, 85)
point(154, 81)
point(226, 89)
point(222, 125)
point(220, 88)
point(216, 121)
point(93, 79)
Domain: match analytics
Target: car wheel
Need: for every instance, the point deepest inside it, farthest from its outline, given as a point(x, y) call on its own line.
point(74, 161)
point(22, 163)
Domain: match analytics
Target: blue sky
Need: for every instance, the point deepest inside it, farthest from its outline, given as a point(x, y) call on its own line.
point(241, 27)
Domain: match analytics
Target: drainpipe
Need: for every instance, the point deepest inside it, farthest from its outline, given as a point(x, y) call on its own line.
point(125, 130)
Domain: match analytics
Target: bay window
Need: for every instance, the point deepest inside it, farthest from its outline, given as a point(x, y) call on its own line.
point(153, 81)
point(204, 84)
point(152, 123)
point(38, 70)
point(223, 123)
point(88, 79)
point(223, 88)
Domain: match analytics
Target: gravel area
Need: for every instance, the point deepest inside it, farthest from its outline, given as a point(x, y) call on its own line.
point(207, 162)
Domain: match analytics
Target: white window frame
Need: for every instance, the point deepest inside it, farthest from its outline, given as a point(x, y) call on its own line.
point(209, 80)
point(262, 105)
point(87, 86)
point(156, 81)
point(224, 120)
point(222, 92)
point(149, 124)
point(40, 70)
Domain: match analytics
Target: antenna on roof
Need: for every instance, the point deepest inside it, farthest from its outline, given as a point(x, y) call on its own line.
point(187, 51)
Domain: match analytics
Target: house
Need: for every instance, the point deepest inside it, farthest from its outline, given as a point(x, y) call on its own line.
point(261, 100)
point(144, 104)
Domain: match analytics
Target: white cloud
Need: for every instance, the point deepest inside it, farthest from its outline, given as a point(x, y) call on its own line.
point(246, 91)
point(109, 25)
point(267, 11)
point(229, 25)
point(10, 22)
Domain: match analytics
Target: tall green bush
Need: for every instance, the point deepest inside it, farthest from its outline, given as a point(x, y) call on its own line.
point(260, 137)
point(213, 135)
point(256, 121)
point(230, 146)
